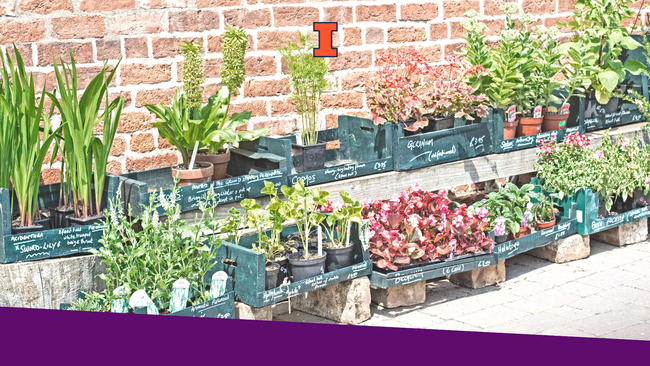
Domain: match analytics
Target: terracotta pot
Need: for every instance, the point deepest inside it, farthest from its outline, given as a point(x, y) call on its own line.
point(529, 126)
point(545, 225)
point(523, 231)
point(194, 176)
point(554, 122)
point(218, 161)
point(509, 129)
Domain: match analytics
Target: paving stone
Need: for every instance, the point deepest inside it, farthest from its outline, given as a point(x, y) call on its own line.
point(612, 321)
point(579, 289)
point(517, 272)
point(346, 302)
point(524, 288)
point(639, 267)
point(300, 317)
point(456, 308)
point(569, 313)
point(455, 325)
point(597, 304)
point(569, 249)
point(566, 331)
point(554, 297)
point(481, 277)
point(492, 316)
point(642, 284)
point(628, 294)
point(530, 324)
point(560, 274)
point(633, 232)
point(391, 323)
point(638, 332)
point(243, 311)
point(609, 278)
point(643, 247)
point(411, 294)
point(530, 261)
point(529, 306)
point(420, 319)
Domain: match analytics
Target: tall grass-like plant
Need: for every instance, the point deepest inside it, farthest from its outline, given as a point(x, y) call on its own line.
point(22, 115)
point(79, 117)
point(308, 77)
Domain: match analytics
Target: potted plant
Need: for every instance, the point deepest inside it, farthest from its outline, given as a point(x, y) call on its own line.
point(396, 93)
point(308, 77)
point(599, 26)
point(511, 204)
point(544, 211)
point(450, 97)
point(500, 235)
point(82, 150)
point(21, 115)
point(337, 231)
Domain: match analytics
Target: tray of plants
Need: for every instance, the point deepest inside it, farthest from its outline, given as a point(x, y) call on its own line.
point(270, 266)
point(609, 186)
point(74, 207)
point(417, 236)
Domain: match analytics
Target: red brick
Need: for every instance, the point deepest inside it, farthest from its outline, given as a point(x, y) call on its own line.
point(48, 79)
point(352, 36)
point(169, 46)
point(78, 27)
point(135, 121)
point(118, 147)
point(83, 52)
point(374, 35)
point(266, 88)
point(86, 74)
point(19, 31)
point(127, 102)
point(45, 6)
point(332, 121)
point(114, 167)
point(256, 107)
point(25, 51)
point(93, 6)
point(438, 31)
point(282, 1)
point(432, 53)
point(132, 24)
point(271, 40)
point(452, 47)
point(142, 142)
point(136, 47)
point(376, 13)
point(342, 100)
point(164, 144)
point(351, 60)
point(491, 7)
point(157, 161)
point(283, 106)
point(108, 49)
point(551, 22)
point(300, 15)
point(406, 34)
point(248, 19)
point(260, 65)
point(218, 3)
point(145, 74)
point(340, 14)
point(458, 8)
point(353, 80)
point(538, 6)
point(163, 4)
point(50, 176)
point(282, 127)
point(213, 67)
point(214, 43)
point(427, 11)
point(154, 96)
point(193, 21)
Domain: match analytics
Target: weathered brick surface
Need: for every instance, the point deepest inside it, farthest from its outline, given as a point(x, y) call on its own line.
point(45, 6)
point(419, 11)
point(376, 13)
point(259, 88)
point(248, 19)
point(145, 74)
point(78, 27)
point(16, 31)
point(82, 51)
point(291, 15)
point(136, 47)
point(340, 14)
point(260, 65)
point(108, 49)
point(406, 34)
point(142, 142)
point(127, 24)
point(457, 8)
point(158, 161)
point(103, 5)
point(352, 36)
point(193, 21)
point(352, 60)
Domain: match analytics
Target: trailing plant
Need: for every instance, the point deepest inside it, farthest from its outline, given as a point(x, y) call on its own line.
point(161, 252)
point(340, 218)
point(234, 49)
point(308, 78)
point(192, 71)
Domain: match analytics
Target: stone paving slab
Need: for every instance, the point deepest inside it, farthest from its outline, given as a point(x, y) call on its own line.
point(604, 295)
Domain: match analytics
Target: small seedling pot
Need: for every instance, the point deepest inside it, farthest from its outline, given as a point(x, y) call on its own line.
point(303, 269)
point(45, 223)
point(307, 158)
point(439, 124)
point(509, 129)
point(17, 230)
point(219, 162)
point(554, 122)
point(529, 126)
point(194, 176)
point(271, 279)
point(81, 222)
point(283, 271)
point(501, 238)
point(545, 225)
point(338, 258)
point(59, 217)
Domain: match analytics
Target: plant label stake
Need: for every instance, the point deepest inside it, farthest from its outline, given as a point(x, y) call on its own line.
point(196, 146)
point(218, 284)
point(512, 113)
point(140, 298)
point(537, 112)
point(298, 138)
point(320, 241)
point(119, 305)
point(565, 108)
point(180, 291)
point(347, 236)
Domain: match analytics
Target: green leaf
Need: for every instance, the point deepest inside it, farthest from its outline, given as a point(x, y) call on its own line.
point(609, 80)
point(634, 67)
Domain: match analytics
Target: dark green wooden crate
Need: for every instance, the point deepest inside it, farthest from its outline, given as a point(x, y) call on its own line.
point(364, 149)
point(248, 271)
point(564, 228)
point(221, 307)
point(48, 243)
point(248, 170)
point(438, 147)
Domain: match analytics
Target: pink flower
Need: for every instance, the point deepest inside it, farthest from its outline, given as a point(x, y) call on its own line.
point(599, 154)
point(647, 180)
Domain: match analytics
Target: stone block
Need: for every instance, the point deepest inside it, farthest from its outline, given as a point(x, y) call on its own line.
point(346, 302)
point(564, 250)
point(243, 311)
point(405, 295)
point(633, 232)
point(481, 277)
point(280, 308)
point(47, 283)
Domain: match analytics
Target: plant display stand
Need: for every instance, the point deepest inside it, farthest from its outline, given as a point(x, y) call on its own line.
point(48, 243)
point(481, 277)
point(364, 148)
point(221, 307)
point(569, 249)
point(630, 233)
point(248, 172)
point(401, 295)
point(433, 148)
point(247, 268)
point(346, 302)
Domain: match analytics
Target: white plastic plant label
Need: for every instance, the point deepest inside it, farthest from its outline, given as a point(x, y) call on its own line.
point(565, 108)
point(537, 112)
point(579, 215)
point(512, 113)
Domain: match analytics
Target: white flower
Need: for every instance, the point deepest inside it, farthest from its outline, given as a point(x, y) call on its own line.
point(155, 220)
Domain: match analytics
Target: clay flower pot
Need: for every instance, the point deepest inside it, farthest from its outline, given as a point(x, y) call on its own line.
point(554, 122)
point(219, 162)
point(545, 225)
point(523, 231)
point(509, 129)
point(194, 176)
point(529, 126)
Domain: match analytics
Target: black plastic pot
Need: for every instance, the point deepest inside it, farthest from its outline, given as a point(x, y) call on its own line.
point(338, 258)
point(81, 222)
point(439, 124)
point(638, 200)
point(283, 271)
point(501, 238)
point(303, 269)
point(308, 157)
point(594, 109)
point(60, 217)
point(408, 123)
point(45, 223)
point(468, 255)
point(271, 279)
point(17, 230)
point(399, 268)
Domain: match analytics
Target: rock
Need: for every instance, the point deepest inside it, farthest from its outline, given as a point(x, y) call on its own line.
point(280, 308)
point(404, 295)
point(633, 232)
point(345, 302)
point(47, 283)
point(564, 250)
point(243, 311)
point(481, 277)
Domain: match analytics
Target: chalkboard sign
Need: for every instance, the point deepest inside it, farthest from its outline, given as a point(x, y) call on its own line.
point(564, 228)
point(254, 183)
point(342, 172)
point(587, 214)
point(220, 307)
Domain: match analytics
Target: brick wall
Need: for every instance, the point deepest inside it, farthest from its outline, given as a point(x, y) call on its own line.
point(146, 34)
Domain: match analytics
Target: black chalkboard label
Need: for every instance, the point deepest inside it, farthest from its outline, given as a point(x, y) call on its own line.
point(342, 172)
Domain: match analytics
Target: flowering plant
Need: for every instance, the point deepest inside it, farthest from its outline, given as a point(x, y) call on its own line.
point(396, 93)
point(511, 204)
point(500, 226)
point(417, 226)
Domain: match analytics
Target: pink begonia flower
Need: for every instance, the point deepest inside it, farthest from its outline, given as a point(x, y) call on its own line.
point(625, 142)
point(599, 154)
point(647, 180)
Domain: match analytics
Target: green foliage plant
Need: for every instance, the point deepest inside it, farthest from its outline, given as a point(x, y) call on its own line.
point(300, 207)
point(338, 220)
point(544, 209)
point(510, 203)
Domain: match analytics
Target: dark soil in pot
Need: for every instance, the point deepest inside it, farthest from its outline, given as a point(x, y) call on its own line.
point(399, 267)
point(271, 279)
point(302, 268)
point(201, 173)
point(337, 258)
point(439, 124)
point(17, 230)
point(307, 158)
point(218, 160)
point(81, 221)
